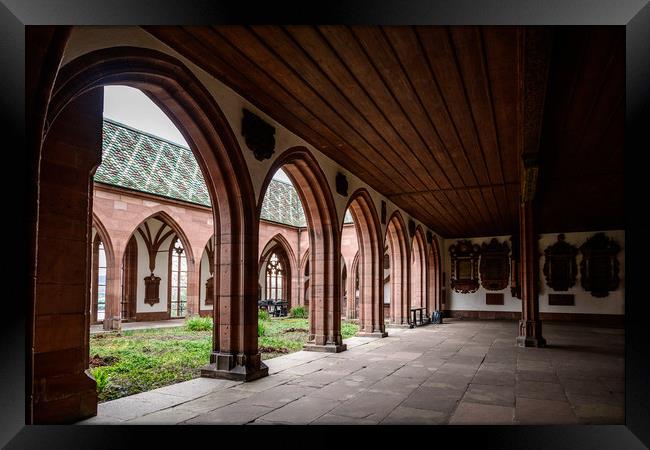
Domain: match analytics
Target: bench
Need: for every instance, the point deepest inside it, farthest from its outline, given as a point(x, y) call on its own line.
point(418, 317)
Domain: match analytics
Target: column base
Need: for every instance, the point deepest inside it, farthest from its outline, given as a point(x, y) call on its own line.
point(377, 334)
point(238, 368)
point(327, 348)
point(527, 341)
point(113, 323)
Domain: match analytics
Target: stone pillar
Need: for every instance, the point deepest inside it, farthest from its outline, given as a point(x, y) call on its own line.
point(371, 295)
point(530, 325)
point(63, 390)
point(193, 286)
point(235, 354)
point(114, 282)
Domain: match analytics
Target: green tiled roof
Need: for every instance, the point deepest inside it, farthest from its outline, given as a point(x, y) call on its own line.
point(137, 160)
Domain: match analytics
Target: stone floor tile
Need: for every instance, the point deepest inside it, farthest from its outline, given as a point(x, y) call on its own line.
point(196, 388)
point(216, 400)
point(531, 411)
point(490, 394)
point(534, 375)
point(265, 383)
point(319, 379)
point(234, 414)
point(412, 372)
point(396, 385)
point(333, 419)
point(435, 399)
point(128, 408)
point(170, 416)
point(469, 413)
point(403, 415)
point(369, 405)
point(340, 390)
point(540, 390)
point(302, 411)
point(277, 396)
point(501, 378)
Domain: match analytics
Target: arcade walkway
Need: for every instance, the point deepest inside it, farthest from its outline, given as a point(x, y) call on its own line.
point(460, 372)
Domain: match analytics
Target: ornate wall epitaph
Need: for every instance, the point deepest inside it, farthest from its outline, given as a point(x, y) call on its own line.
point(560, 264)
point(494, 267)
point(599, 266)
point(464, 266)
point(151, 289)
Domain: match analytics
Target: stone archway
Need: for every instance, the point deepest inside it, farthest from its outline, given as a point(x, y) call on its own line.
point(418, 277)
point(371, 292)
point(434, 298)
point(399, 253)
point(324, 246)
point(60, 390)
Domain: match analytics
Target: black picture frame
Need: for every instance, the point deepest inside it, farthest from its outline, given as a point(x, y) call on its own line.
point(634, 15)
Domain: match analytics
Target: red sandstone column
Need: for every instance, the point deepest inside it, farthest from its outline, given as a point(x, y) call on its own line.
point(530, 325)
point(193, 287)
point(62, 389)
point(113, 314)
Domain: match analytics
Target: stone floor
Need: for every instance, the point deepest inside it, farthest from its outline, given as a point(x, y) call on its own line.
point(460, 372)
point(99, 328)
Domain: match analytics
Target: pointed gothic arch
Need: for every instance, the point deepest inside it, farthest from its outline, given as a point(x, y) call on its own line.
point(418, 276)
point(371, 293)
point(324, 244)
point(399, 253)
point(76, 98)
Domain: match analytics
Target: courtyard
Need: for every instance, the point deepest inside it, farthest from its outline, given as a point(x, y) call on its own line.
point(459, 372)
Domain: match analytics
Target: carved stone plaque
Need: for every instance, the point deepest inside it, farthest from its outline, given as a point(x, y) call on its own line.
point(560, 264)
point(151, 289)
point(464, 266)
point(599, 266)
point(494, 267)
point(494, 299)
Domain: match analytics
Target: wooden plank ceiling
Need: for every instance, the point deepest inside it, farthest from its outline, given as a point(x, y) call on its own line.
point(428, 116)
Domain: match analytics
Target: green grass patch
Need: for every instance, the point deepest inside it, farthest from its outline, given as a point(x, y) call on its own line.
point(299, 312)
point(197, 323)
point(135, 361)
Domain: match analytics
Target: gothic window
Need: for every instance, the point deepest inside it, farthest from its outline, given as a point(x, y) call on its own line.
point(274, 278)
point(178, 279)
point(100, 280)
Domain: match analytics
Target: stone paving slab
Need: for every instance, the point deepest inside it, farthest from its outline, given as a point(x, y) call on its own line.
point(128, 408)
point(370, 405)
point(216, 400)
point(531, 411)
point(435, 399)
point(195, 388)
point(490, 394)
point(302, 411)
point(233, 414)
point(277, 397)
point(461, 372)
point(171, 416)
point(469, 413)
point(540, 390)
point(403, 415)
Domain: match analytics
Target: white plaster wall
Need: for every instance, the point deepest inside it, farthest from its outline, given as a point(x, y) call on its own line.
point(204, 275)
point(85, 39)
point(162, 269)
point(585, 303)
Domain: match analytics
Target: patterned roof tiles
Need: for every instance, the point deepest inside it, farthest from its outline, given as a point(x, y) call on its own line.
point(137, 160)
